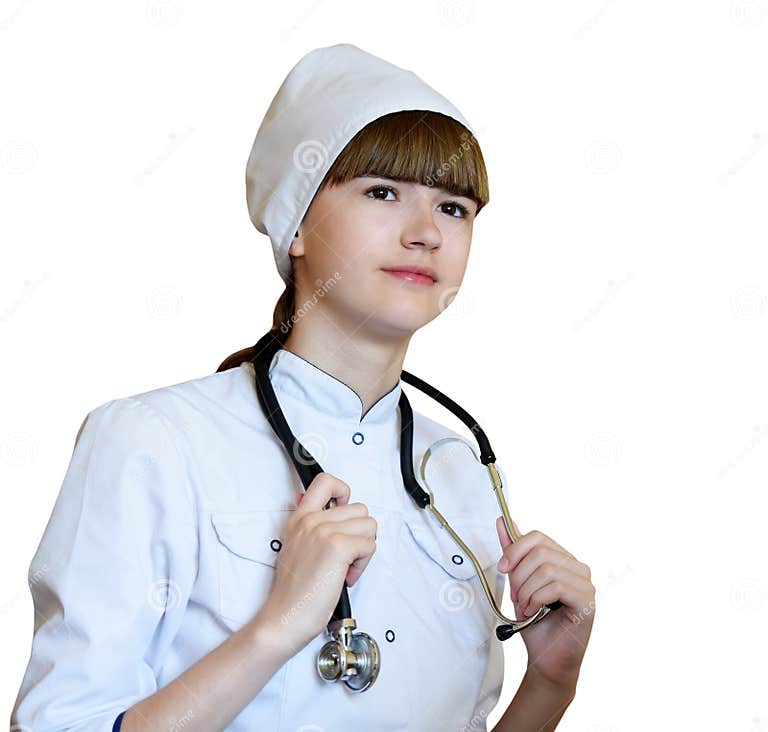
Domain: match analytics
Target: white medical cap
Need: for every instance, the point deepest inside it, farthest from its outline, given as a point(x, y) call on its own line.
point(326, 99)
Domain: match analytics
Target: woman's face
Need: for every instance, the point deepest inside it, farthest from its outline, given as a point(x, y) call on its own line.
point(371, 224)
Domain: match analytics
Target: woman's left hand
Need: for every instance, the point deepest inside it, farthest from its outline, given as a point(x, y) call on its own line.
point(540, 571)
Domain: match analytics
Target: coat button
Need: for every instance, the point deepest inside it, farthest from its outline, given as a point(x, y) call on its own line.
point(390, 635)
point(358, 438)
point(276, 545)
point(457, 559)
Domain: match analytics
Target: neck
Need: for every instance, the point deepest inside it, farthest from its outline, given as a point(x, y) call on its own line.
point(369, 367)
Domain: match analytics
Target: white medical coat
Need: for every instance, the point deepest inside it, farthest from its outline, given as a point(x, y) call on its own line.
point(164, 537)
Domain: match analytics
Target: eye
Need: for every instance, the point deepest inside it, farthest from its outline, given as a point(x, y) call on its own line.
point(386, 189)
point(463, 209)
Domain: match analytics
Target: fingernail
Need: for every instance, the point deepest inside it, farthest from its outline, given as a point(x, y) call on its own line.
point(503, 564)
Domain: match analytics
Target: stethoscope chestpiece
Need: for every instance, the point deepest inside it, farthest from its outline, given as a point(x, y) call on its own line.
point(353, 658)
point(504, 632)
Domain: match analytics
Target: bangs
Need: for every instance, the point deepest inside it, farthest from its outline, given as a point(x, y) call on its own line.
point(416, 146)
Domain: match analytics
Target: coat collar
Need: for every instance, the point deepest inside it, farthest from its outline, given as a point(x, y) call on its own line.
point(294, 376)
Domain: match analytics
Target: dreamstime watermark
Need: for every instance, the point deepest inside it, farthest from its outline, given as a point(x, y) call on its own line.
point(313, 443)
point(182, 722)
point(759, 142)
point(456, 596)
point(142, 468)
point(448, 453)
point(465, 307)
point(759, 433)
point(749, 594)
point(32, 579)
point(614, 578)
point(456, 13)
point(310, 155)
point(164, 14)
point(164, 594)
point(322, 287)
point(477, 721)
point(614, 288)
point(38, 573)
point(749, 13)
point(18, 157)
point(603, 448)
point(29, 288)
point(579, 617)
point(758, 725)
point(591, 22)
point(175, 143)
point(602, 156)
point(164, 304)
point(749, 303)
point(5, 23)
point(468, 141)
point(300, 21)
point(19, 449)
point(308, 597)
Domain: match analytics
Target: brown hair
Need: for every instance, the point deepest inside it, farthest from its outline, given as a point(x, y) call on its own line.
point(416, 146)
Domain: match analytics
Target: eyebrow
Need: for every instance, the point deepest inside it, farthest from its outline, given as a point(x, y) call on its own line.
point(402, 180)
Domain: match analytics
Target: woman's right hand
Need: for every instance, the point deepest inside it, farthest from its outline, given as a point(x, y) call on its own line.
point(321, 548)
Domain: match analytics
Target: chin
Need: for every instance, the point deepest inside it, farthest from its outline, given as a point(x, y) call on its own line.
point(410, 319)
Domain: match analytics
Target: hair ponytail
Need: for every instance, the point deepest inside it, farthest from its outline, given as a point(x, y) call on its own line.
point(282, 322)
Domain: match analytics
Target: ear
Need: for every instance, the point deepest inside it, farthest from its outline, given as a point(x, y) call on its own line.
point(297, 246)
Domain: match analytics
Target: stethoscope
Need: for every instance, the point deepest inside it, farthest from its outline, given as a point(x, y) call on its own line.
point(354, 657)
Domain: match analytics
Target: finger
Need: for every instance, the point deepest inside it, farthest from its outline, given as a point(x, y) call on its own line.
point(350, 512)
point(356, 570)
point(322, 489)
point(537, 537)
point(363, 552)
point(359, 538)
point(539, 556)
point(520, 548)
point(501, 530)
point(573, 597)
point(546, 575)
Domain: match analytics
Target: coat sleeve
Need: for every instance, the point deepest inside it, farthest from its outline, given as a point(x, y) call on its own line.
point(113, 572)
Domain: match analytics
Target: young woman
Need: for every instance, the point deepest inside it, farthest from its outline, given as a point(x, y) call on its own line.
point(185, 579)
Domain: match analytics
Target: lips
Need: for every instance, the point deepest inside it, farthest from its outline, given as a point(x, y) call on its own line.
point(415, 273)
point(418, 279)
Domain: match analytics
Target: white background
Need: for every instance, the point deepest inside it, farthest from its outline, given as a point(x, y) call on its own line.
point(610, 335)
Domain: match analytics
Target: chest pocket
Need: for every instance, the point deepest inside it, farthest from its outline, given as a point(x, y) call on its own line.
point(248, 544)
point(453, 590)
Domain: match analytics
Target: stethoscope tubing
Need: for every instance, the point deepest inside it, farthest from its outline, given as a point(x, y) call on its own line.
point(307, 468)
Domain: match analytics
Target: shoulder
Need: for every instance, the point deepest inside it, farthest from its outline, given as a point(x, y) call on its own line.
point(201, 402)
point(426, 431)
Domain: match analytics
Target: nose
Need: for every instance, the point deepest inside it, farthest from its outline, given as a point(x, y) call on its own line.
point(419, 227)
